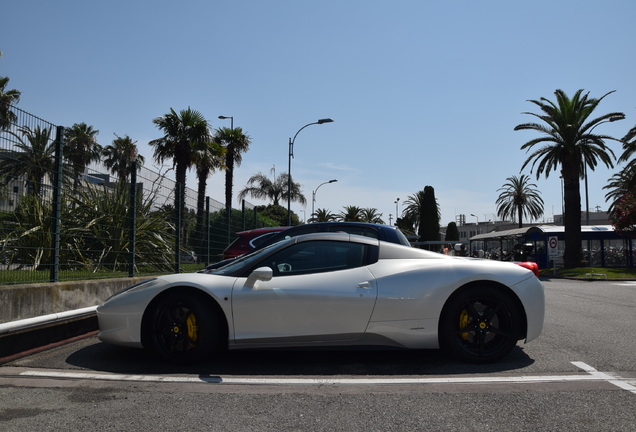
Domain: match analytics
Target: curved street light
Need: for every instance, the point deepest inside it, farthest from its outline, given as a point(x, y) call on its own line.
point(291, 155)
point(313, 195)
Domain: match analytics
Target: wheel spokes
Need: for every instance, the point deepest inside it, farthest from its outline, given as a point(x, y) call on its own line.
point(177, 329)
point(480, 326)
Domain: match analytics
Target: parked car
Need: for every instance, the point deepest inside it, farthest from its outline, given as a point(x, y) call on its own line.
point(247, 241)
point(382, 232)
point(188, 256)
point(331, 289)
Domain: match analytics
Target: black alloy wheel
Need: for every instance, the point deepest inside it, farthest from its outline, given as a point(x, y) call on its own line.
point(182, 328)
point(480, 325)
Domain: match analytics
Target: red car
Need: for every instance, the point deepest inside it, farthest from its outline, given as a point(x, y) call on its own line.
point(248, 240)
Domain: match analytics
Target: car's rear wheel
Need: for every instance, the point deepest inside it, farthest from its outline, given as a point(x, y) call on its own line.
point(480, 325)
point(182, 328)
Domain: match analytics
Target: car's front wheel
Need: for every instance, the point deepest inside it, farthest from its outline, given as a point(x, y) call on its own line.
point(181, 328)
point(480, 325)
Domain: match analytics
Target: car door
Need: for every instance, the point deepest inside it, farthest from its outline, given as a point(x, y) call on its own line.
point(320, 291)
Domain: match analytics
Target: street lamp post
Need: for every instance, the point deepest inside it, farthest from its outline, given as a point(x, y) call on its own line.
point(291, 155)
point(397, 212)
point(587, 200)
point(313, 195)
point(231, 120)
point(476, 217)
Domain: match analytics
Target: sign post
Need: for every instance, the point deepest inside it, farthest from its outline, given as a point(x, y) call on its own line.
point(553, 251)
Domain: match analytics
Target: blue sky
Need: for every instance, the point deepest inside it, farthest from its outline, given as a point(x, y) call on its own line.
point(421, 92)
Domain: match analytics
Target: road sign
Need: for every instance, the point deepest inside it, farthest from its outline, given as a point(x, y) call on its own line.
point(553, 247)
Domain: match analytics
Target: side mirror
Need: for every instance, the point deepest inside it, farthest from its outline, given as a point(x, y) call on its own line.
point(263, 274)
point(260, 274)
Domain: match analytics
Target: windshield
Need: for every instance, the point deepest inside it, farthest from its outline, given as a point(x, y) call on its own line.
point(238, 265)
point(402, 238)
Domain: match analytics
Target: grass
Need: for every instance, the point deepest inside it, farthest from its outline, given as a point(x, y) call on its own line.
point(582, 272)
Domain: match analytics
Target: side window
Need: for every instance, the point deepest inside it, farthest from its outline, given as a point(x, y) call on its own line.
point(318, 257)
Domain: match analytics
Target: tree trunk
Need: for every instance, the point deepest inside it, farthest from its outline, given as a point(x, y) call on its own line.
point(199, 232)
point(179, 196)
point(572, 218)
point(229, 174)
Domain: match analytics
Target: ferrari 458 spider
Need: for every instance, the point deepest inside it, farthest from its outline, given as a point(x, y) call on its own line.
point(332, 289)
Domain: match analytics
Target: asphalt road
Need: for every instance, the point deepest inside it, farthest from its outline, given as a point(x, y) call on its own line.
point(580, 375)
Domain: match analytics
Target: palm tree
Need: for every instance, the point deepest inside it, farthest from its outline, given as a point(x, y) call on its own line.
point(371, 215)
point(208, 157)
point(569, 144)
point(34, 159)
point(414, 205)
point(183, 133)
point(235, 142)
point(7, 98)
point(629, 146)
point(81, 148)
point(119, 156)
point(262, 187)
point(620, 184)
point(323, 215)
point(351, 214)
point(519, 198)
point(623, 182)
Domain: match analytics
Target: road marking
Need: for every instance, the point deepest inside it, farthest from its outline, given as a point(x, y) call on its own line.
point(629, 283)
point(607, 377)
point(591, 376)
point(314, 381)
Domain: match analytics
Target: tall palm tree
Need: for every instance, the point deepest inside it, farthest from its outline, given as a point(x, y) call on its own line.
point(623, 182)
point(568, 142)
point(519, 198)
point(260, 186)
point(371, 215)
point(33, 159)
point(183, 132)
point(235, 142)
point(7, 98)
point(620, 184)
point(629, 146)
point(81, 148)
point(208, 157)
point(119, 156)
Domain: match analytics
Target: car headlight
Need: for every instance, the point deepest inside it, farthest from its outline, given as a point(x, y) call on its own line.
point(130, 287)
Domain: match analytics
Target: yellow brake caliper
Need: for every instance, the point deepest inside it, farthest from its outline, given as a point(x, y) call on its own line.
point(463, 322)
point(192, 329)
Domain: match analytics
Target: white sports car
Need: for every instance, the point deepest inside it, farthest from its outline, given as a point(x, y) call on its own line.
point(331, 290)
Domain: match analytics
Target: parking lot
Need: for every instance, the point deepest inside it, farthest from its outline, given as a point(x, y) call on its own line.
point(579, 375)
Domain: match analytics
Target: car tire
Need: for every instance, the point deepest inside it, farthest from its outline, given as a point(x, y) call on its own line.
point(480, 325)
point(183, 328)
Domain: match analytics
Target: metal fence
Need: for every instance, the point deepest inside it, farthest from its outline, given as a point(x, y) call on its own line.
point(57, 226)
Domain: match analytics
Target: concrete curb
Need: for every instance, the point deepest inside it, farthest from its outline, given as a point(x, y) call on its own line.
point(30, 333)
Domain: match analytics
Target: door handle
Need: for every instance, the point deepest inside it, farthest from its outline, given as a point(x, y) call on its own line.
point(365, 285)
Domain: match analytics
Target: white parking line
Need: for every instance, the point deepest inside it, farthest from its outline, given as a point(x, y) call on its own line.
point(609, 378)
point(592, 375)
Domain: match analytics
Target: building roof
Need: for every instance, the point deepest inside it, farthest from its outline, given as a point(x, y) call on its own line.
point(540, 229)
